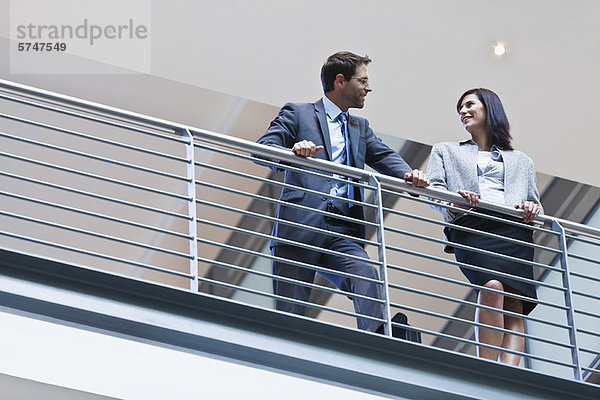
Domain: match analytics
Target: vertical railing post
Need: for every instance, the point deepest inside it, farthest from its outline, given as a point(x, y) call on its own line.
point(526, 346)
point(378, 200)
point(562, 245)
point(191, 192)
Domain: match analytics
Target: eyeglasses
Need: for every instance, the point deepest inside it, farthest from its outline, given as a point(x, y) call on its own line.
point(364, 81)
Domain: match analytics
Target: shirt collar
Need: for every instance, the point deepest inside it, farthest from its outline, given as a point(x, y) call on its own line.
point(471, 142)
point(331, 109)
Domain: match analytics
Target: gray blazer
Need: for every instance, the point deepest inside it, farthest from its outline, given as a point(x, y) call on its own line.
point(307, 121)
point(453, 166)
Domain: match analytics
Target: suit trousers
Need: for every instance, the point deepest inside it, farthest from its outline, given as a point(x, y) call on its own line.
point(333, 262)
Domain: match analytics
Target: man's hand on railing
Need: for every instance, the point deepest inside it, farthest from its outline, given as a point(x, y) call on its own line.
point(306, 148)
point(530, 210)
point(417, 177)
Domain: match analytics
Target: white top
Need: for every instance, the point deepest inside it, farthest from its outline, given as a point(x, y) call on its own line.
point(490, 173)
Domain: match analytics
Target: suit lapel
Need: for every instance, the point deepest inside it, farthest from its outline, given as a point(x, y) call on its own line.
point(509, 165)
point(321, 117)
point(470, 162)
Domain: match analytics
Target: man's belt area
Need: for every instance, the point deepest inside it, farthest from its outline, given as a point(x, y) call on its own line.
point(334, 209)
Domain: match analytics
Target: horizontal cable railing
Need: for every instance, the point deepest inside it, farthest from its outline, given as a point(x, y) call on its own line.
point(142, 197)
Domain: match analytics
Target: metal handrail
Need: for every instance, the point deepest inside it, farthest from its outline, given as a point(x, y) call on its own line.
point(380, 184)
point(387, 182)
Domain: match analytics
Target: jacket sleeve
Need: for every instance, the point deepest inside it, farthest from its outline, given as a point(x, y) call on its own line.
point(382, 158)
point(532, 192)
point(282, 131)
point(437, 178)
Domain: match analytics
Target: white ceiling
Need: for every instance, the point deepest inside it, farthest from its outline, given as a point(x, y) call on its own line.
point(425, 54)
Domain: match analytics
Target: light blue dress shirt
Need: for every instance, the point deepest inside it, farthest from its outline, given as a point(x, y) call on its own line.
point(337, 144)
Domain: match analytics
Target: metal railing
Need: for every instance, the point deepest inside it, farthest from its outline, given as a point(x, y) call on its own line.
point(129, 194)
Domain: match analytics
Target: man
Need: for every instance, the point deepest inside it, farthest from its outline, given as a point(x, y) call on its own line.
point(325, 130)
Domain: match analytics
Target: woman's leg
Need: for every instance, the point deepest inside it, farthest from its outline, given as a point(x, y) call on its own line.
point(488, 317)
point(515, 324)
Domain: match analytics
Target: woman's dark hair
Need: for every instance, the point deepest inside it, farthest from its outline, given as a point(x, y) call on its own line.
point(344, 63)
point(496, 119)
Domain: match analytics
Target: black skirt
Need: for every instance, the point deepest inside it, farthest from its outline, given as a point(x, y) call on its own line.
point(497, 246)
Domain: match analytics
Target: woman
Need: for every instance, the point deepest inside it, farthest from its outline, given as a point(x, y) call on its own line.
point(486, 167)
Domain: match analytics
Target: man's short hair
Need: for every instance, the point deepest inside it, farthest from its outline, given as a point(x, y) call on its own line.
point(343, 62)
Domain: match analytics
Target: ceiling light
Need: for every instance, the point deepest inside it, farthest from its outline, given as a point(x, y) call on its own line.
point(499, 49)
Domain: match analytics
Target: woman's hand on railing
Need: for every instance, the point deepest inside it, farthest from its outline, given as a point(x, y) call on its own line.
point(471, 197)
point(530, 210)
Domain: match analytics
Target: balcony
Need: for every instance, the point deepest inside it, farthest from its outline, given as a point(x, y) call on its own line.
point(158, 232)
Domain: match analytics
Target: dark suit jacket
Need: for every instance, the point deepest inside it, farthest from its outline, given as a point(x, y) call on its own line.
point(307, 121)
